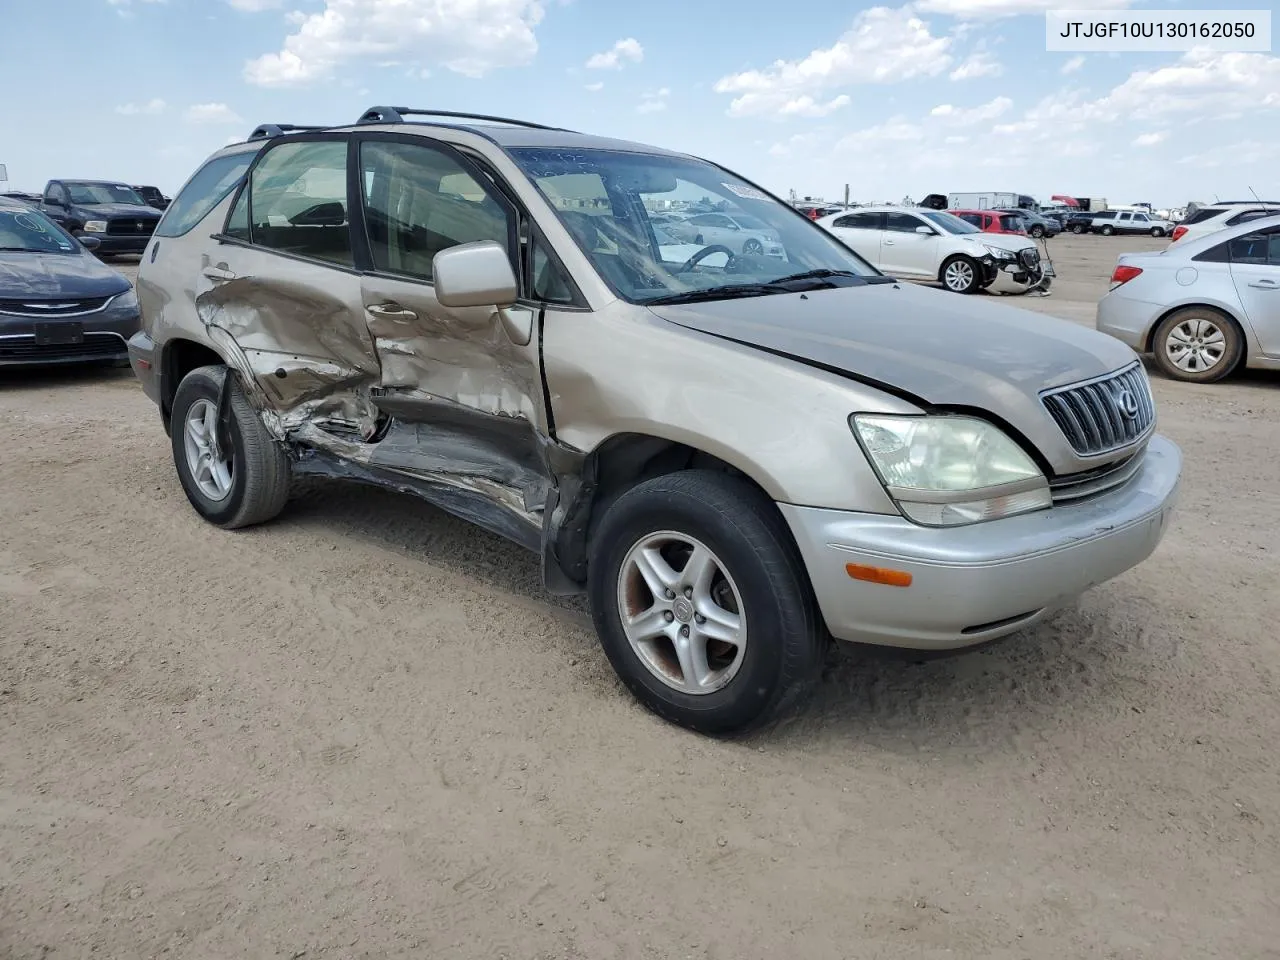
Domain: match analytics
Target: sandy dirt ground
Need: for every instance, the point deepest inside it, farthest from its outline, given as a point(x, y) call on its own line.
point(363, 731)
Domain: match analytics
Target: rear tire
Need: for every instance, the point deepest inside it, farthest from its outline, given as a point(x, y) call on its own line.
point(1037, 231)
point(258, 469)
point(1077, 229)
point(1108, 230)
point(1189, 338)
point(961, 274)
point(1157, 232)
point(656, 530)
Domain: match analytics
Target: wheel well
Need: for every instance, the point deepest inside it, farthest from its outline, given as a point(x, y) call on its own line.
point(180, 357)
point(942, 267)
point(613, 468)
point(1150, 345)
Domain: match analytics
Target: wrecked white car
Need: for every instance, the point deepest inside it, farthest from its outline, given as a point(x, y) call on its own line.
point(735, 456)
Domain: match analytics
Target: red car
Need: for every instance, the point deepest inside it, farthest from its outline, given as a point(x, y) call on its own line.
point(993, 221)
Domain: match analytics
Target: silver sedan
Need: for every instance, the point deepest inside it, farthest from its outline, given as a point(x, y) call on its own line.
point(1201, 308)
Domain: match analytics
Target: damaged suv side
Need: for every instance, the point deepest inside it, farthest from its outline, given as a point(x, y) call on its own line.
point(735, 457)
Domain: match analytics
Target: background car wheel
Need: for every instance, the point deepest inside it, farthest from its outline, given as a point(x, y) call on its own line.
point(1157, 232)
point(702, 603)
point(1077, 229)
point(961, 274)
point(1037, 231)
point(752, 248)
point(1197, 344)
point(245, 485)
point(698, 239)
point(1108, 230)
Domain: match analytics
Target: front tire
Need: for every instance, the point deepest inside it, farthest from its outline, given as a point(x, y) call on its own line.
point(752, 248)
point(961, 274)
point(247, 485)
point(1197, 345)
point(702, 603)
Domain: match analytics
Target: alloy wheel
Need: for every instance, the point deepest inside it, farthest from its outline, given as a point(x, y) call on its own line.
point(211, 470)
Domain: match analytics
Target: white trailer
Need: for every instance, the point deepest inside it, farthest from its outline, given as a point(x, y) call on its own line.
point(992, 200)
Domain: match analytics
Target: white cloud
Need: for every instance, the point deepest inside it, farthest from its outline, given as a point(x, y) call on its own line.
point(255, 6)
point(654, 102)
point(615, 57)
point(1150, 139)
point(977, 65)
point(955, 139)
point(1072, 65)
point(992, 9)
point(806, 106)
point(470, 37)
point(124, 7)
point(152, 107)
point(1234, 155)
point(595, 87)
point(211, 113)
point(961, 117)
point(882, 46)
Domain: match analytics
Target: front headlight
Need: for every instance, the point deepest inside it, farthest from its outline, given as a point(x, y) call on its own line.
point(95, 226)
point(127, 300)
point(1000, 253)
point(946, 471)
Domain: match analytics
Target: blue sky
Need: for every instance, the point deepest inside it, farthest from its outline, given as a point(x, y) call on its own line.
point(936, 95)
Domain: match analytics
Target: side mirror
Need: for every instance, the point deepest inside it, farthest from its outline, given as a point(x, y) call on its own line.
point(89, 243)
point(54, 202)
point(474, 275)
point(924, 231)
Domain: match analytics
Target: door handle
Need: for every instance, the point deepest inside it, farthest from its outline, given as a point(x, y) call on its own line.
point(219, 273)
point(1265, 285)
point(391, 311)
point(888, 243)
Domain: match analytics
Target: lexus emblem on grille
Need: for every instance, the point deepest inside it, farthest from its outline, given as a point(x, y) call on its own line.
point(1126, 402)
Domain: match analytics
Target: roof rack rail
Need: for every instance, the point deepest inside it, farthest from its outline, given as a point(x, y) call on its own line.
point(398, 114)
point(265, 131)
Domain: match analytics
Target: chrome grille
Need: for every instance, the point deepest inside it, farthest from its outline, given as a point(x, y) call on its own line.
point(60, 307)
point(1098, 416)
point(1091, 483)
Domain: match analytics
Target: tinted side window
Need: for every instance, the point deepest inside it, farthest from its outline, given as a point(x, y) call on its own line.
point(901, 222)
point(1012, 223)
point(204, 191)
point(973, 218)
point(1105, 215)
point(703, 220)
point(297, 201)
point(1246, 216)
point(1218, 254)
point(1250, 249)
point(1203, 214)
point(419, 201)
point(859, 221)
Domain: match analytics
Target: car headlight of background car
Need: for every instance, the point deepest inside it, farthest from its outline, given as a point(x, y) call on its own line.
point(946, 471)
point(125, 301)
point(95, 226)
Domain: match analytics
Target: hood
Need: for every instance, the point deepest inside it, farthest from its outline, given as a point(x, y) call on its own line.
point(1006, 241)
point(128, 211)
point(936, 348)
point(57, 275)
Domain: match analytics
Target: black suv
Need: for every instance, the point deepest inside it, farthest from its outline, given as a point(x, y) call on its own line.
point(112, 212)
point(1079, 221)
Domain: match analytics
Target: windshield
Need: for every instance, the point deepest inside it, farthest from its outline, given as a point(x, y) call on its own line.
point(1012, 224)
point(948, 221)
point(607, 199)
point(104, 193)
point(29, 231)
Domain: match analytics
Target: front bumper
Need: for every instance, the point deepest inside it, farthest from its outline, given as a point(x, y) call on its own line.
point(142, 357)
point(974, 583)
point(112, 244)
point(104, 334)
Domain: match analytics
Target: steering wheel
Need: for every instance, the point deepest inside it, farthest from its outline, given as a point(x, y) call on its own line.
point(704, 253)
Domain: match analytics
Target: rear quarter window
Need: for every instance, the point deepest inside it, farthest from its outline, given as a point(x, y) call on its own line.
point(204, 191)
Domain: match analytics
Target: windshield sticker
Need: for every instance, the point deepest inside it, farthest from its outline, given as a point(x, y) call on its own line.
point(747, 193)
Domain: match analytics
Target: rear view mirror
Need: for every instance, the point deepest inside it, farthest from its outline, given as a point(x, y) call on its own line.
point(474, 275)
point(89, 243)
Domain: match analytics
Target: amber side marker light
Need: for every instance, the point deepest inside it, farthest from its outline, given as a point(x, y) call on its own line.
point(890, 578)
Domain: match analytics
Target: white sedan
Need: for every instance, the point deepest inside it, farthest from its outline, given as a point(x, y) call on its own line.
point(740, 233)
point(1204, 306)
point(920, 244)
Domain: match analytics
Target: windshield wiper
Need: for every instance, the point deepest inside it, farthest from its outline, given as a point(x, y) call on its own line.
point(822, 274)
point(726, 291)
